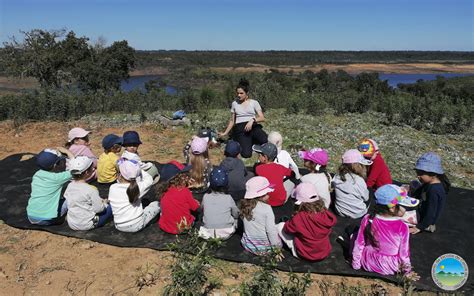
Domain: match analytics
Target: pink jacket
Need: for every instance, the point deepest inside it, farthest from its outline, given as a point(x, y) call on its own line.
point(393, 253)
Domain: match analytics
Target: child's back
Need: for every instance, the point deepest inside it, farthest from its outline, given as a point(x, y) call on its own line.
point(238, 175)
point(393, 246)
point(260, 233)
point(351, 195)
point(275, 173)
point(107, 167)
point(176, 207)
point(83, 203)
point(45, 193)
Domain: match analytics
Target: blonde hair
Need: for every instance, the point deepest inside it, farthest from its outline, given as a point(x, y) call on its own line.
point(199, 168)
point(276, 138)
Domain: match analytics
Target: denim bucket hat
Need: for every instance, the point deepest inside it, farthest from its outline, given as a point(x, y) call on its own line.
point(430, 162)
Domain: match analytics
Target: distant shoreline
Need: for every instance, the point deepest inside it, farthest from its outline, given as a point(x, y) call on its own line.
point(355, 68)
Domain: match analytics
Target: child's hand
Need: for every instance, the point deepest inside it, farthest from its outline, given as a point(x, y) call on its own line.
point(414, 230)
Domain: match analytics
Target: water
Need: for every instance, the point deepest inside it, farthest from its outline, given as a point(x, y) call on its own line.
point(395, 79)
point(138, 82)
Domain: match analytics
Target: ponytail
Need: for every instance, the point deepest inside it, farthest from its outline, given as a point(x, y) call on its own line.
point(133, 191)
point(445, 181)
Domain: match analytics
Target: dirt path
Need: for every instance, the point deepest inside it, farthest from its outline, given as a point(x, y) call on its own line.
point(40, 263)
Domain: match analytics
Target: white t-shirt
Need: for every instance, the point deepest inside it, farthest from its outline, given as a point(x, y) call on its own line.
point(244, 113)
point(284, 158)
point(124, 212)
point(320, 181)
point(83, 202)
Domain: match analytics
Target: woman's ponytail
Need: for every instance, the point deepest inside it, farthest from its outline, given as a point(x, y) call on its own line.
point(133, 191)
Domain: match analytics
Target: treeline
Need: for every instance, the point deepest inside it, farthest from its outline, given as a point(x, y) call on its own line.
point(176, 58)
point(438, 106)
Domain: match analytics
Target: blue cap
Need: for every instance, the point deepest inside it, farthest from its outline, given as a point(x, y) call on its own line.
point(47, 158)
point(219, 177)
point(392, 195)
point(131, 137)
point(110, 140)
point(232, 148)
point(430, 162)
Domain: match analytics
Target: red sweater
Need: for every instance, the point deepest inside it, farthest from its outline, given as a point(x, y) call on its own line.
point(275, 173)
point(311, 231)
point(176, 206)
point(378, 174)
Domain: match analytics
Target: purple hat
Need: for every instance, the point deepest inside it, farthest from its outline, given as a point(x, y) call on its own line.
point(430, 162)
point(129, 169)
point(305, 192)
point(257, 186)
point(199, 145)
point(354, 156)
point(316, 155)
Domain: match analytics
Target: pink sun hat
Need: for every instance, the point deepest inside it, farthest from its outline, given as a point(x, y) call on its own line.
point(305, 192)
point(354, 156)
point(257, 186)
point(77, 132)
point(129, 169)
point(316, 155)
point(199, 145)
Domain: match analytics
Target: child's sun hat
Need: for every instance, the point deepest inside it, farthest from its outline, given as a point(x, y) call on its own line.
point(257, 186)
point(430, 162)
point(305, 192)
point(129, 169)
point(110, 140)
point(218, 178)
point(392, 195)
point(354, 156)
point(76, 132)
point(232, 149)
point(171, 169)
point(368, 147)
point(199, 145)
point(79, 164)
point(47, 158)
point(316, 155)
point(267, 149)
point(131, 137)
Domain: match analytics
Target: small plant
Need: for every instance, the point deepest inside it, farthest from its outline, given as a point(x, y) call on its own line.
point(266, 282)
point(407, 281)
point(146, 277)
point(189, 271)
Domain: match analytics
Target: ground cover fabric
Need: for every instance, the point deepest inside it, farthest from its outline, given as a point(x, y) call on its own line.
point(454, 231)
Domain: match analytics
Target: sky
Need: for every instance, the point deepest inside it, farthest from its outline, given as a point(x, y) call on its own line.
point(252, 24)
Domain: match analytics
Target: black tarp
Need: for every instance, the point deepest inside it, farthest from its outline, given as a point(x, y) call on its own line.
point(454, 233)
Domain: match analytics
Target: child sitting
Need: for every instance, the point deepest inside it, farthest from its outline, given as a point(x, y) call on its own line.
point(307, 232)
point(275, 173)
point(260, 232)
point(382, 243)
point(86, 210)
point(78, 143)
point(200, 165)
point(45, 205)
point(237, 174)
point(378, 173)
point(316, 160)
point(131, 141)
point(107, 171)
point(432, 193)
point(283, 157)
point(177, 202)
point(349, 185)
point(220, 213)
point(125, 197)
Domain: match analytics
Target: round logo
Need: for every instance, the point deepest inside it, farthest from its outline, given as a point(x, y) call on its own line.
point(449, 272)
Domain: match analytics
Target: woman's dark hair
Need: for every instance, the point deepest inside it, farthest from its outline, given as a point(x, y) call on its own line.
point(316, 206)
point(246, 207)
point(244, 84)
point(133, 191)
point(368, 233)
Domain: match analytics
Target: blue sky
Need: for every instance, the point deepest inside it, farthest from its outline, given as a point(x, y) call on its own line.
point(253, 24)
point(450, 265)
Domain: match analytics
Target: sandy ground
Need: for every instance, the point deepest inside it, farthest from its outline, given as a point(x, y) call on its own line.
point(39, 263)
